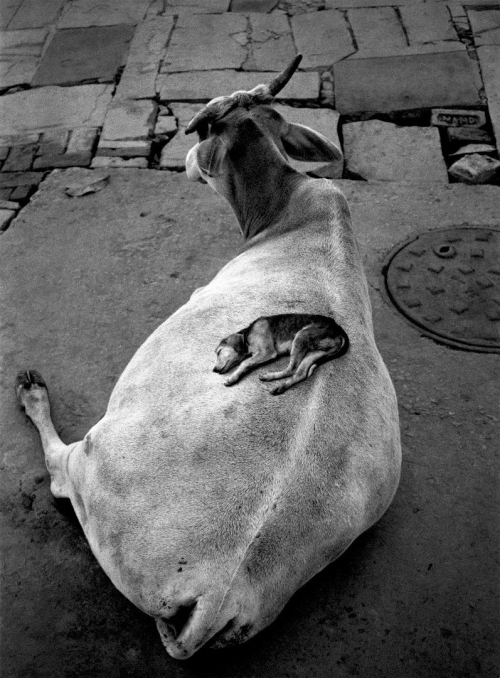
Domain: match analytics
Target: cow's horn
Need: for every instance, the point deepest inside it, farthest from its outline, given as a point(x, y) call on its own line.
point(280, 80)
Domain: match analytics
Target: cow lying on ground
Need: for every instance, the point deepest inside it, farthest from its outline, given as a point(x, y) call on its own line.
point(307, 339)
point(209, 507)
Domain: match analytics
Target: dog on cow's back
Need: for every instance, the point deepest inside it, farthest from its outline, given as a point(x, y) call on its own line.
point(308, 339)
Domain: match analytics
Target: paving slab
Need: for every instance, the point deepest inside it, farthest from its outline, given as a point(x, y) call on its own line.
point(380, 151)
point(9, 9)
point(165, 124)
point(485, 26)
point(34, 14)
point(375, 26)
point(489, 58)
point(27, 43)
point(271, 43)
point(102, 13)
point(324, 121)
point(76, 55)
point(46, 107)
point(406, 82)
point(131, 163)
point(264, 6)
point(427, 22)
point(203, 42)
point(171, 7)
point(128, 119)
point(205, 85)
point(104, 271)
point(322, 37)
point(145, 55)
point(173, 155)
point(20, 158)
point(17, 71)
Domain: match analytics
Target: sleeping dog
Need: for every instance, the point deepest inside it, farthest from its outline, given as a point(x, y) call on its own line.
point(308, 339)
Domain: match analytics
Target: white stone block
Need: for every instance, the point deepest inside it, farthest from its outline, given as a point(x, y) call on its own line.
point(381, 151)
point(100, 161)
point(129, 119)
point(475, 169)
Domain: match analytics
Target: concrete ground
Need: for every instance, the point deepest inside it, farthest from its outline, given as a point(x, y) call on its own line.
point(84, 281)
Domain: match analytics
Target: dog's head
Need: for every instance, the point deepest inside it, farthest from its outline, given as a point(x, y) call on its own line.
point(230, 352)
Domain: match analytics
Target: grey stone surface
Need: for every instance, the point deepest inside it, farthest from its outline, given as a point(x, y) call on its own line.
point(20, 158)
point(475, 169)
point(102, 12)
point(127, 119)
point(474, 148)
point(126, 148)
point(9, 205)
point(104, 271)
point(17, 71)
point(53, 142)
point(205, 85)
point(468, 134)
point(138, 163)
point(322, 37)
point(146, 52)
point(406, 82)
point(375, 26)
point(6, 217)
point(489, 58)
point(427, 22)
point(165, 124)
point(8, 11)
point(173, 155)
point(171, 7)
point(206, 42)
point(46, 107)
point(381, 151)
point(27, 43)
point(485, 26)
point(324, 121)
point(272, 47)
point(76, 55)
point(253, 5)
point(82, 140)
point(34, 14)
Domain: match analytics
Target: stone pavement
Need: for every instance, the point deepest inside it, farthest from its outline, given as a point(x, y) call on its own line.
point(105, 83)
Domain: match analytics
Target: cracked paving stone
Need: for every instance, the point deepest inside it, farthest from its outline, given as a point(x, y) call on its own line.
point(48, 107)
point(76, 55)
point(79, 13)
point(173, 155)
point(205, 85)
point(375, 26)
point(489, 58)
point(427, 22)
point(485, 26)
point(146, 52)
point(205, 42)
point(271, 43)
point(322, 37)
point(127, 119)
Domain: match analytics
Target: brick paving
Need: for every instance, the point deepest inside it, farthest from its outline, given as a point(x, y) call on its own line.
point(104, 83)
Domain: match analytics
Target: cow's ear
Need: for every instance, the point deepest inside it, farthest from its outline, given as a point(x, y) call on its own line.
point(210, 155)
point(303, 143)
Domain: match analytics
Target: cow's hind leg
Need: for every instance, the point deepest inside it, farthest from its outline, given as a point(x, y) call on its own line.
point(32, 394)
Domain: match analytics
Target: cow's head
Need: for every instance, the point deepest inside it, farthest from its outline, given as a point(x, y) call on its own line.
point(244, 141)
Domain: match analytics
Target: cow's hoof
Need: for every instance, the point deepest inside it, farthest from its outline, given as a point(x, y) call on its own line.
point(28, 383)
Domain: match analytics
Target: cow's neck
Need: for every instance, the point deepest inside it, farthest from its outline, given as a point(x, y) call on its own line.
point(261, 185)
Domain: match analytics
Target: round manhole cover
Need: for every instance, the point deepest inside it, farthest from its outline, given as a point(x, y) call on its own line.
point(447, 282)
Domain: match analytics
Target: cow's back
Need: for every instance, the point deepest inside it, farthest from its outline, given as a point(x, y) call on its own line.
point(186, 484)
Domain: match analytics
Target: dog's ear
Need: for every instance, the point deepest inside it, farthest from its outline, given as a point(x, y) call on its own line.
point(303, 143)
point(210, 155)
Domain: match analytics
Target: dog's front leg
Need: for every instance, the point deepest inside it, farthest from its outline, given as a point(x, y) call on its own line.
point(254, 360)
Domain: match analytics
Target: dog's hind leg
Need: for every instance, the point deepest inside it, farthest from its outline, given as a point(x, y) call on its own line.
point(33, 397)
point(304, 370)
point(300, 347)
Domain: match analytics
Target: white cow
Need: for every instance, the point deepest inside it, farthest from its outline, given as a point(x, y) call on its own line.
point(209, 506)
